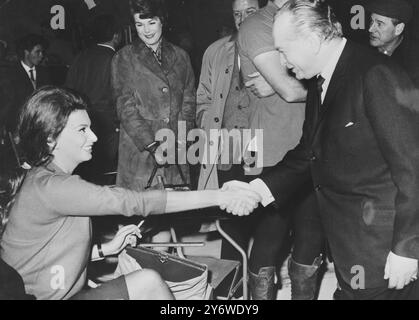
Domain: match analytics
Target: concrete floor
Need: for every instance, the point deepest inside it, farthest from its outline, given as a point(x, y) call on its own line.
point(213, 248)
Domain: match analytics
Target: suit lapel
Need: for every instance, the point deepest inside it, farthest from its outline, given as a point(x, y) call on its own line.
point(24, 76)
point(24, 81)
point(337, 82)
point(40, 77)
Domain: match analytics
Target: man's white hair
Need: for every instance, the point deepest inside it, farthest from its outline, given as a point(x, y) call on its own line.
point(313, 16)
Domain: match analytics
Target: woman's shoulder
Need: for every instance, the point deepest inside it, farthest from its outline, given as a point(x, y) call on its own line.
point(125, 50)
point(130, 49)
point(48, 178)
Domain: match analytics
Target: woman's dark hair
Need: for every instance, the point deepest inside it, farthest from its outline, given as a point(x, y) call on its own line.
point(10, 182)
point(42, 119)
point(148, 9)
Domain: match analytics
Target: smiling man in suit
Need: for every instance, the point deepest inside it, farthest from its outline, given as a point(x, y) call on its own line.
point(359, 147)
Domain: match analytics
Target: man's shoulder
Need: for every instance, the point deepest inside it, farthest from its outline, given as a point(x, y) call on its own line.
point(221, 42)
point(362, 59)
point(16, 71)
point(255, 35)
point(218, 45)
point(16, 67)
point(257, 22)
point(374, 67)
point(98, 50)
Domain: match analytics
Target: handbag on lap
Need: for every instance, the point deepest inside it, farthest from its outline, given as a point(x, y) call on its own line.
point(186, 279)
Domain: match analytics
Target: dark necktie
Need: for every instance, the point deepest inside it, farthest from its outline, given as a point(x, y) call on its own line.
point(317, 99)
point(320, 82)
point(32, 78)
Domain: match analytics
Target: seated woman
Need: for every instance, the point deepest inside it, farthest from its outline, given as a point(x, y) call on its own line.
point(48, 235)
point(11, 283)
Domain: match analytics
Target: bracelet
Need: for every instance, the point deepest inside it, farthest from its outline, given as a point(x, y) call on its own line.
point(99, 249)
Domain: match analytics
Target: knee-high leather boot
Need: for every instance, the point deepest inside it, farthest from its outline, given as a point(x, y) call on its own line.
point(262, 285)
point(303, 279)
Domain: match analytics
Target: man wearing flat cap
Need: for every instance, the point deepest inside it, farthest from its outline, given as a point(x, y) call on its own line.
point(389, 19)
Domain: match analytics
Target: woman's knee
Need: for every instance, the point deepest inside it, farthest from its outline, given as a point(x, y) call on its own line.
point(147, 284)
point(146, 278)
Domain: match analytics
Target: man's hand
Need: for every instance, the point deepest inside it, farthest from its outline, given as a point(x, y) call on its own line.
point(259, 86)
point(400, 271)
point(236, 185)
point(238, 198)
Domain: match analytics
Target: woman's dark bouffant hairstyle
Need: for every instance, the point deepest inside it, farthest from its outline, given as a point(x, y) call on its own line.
point(42, 119)
point(148, 9)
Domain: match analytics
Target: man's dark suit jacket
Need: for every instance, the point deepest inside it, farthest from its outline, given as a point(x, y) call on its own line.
point(90, 74)
point(407, 56)
point(6, 95)
point(363, 157)
point(22, 88)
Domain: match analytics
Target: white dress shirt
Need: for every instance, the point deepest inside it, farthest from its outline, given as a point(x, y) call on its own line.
point(258, 185)
point(329, 69)
point(28, 69)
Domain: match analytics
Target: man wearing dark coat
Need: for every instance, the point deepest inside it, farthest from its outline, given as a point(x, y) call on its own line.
point(90, 74)
point(26, 75)
point(359, 147)
point(388, 33)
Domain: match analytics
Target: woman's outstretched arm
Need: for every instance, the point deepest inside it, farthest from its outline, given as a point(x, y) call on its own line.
point(190, 200)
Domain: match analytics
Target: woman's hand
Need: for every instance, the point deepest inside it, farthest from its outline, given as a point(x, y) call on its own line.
point(126, 236)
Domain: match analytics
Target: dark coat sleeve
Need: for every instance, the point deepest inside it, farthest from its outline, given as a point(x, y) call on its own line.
point(393, 111)
point(189, 97)
point(6, 99)
point(294, 170)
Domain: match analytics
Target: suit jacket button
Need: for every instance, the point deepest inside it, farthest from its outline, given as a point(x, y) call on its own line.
point(217, 120)
point(117, 130)
point(211, 143)
point(166, 120)
point(313, 159)
point(165, 90)
point(318, 188)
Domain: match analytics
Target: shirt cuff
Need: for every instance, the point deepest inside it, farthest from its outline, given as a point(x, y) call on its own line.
point(260, 187)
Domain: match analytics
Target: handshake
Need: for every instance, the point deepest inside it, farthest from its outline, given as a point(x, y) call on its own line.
point(238, 198)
